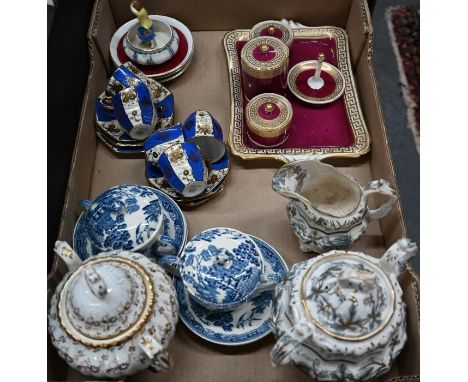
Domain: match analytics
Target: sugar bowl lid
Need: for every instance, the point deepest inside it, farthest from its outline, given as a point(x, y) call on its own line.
point(347, 296)
point(268, 115)
point(221, 267)
point(106, 301)
point(124, 217)
point(264, 57)
point(273, 28)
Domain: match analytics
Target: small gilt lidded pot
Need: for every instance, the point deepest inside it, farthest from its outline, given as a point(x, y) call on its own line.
point(268, 118)
point(264, 66)
point(275, 29)
point(113, 314)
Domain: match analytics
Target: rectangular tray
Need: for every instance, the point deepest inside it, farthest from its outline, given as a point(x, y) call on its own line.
point(336, 129)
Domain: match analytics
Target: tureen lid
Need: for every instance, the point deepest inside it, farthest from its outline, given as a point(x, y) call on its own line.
point(268, 115)
point(264, 57)
point(347, 296)
point(124, 217)
point(221, 266)
point(106, 301)
point(273, 28)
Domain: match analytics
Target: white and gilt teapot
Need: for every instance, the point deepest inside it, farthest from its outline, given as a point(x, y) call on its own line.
point(340, 316)
point(112, 315)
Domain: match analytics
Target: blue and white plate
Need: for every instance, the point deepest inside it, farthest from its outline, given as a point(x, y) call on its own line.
point(247, 323)
point(216, 175)
point(174, 220)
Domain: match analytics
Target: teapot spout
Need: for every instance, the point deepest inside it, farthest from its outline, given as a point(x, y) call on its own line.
point(396, 257)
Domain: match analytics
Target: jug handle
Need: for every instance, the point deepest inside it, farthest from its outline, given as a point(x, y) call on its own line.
point(67, 254)
point(380, 186)
point(289, 341)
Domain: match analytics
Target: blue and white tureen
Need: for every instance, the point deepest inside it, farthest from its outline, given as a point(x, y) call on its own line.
point(221, 268)
point(112, 315)
point(132, 218)
point(225, 282)
point(340, 316)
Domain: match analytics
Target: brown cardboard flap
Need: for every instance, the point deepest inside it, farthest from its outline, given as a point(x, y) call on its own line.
point(241, 14)
point(102, 29)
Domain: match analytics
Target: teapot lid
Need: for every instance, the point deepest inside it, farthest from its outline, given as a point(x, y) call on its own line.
point(106, 301)
point(347, 296)
point(221, 266)
point(124, 217)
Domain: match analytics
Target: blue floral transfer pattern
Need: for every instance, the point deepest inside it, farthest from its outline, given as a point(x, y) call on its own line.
point(247, 322)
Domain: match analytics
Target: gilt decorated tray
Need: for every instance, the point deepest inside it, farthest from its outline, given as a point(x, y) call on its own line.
point(335, 129)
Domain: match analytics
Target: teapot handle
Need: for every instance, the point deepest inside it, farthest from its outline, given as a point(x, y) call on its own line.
point(380, 186)
point(160, 358)
point(395, 259)
point(67, 254)
point(170, 263)
point(289, 341)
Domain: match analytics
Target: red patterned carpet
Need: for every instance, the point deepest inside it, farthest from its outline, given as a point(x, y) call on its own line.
point(403, 23)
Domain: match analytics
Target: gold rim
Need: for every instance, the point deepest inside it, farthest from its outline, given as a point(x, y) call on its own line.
point(317, 324)
point(264, 69)
point(353, 109)
point(327, 68)
point(122, 336)
point(268, 128)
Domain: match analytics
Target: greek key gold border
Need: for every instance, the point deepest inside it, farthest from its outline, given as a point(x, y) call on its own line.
point(361, 135)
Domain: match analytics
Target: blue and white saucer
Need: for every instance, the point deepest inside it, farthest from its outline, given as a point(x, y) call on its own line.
point(216, 177)
point(247, 323)
point(108, 128)
point(174, 221)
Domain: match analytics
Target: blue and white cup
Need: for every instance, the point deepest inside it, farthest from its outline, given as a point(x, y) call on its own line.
point(135, 112)
point(161, 140)
point(184, 169)
point(202, 129)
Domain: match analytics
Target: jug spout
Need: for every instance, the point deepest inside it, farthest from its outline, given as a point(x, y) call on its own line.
point(396, 257)
point(288, 181)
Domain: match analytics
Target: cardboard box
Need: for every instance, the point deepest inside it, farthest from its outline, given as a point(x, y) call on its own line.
point(248, 202)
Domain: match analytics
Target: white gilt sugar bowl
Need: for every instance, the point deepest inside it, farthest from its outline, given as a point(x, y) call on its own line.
point(113, 314)
point(340, 316)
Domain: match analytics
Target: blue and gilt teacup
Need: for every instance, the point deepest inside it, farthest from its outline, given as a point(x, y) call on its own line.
point(161, 140)
point(123, 77)
point(135, 112)
point(202, 129)
point(184, 169)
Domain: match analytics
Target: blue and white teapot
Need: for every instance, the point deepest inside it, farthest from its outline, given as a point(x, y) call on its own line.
point(221, 268)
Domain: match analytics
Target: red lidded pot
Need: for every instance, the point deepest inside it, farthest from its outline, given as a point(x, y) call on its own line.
point(268, 119)
point(264, 66)
point(273, 28)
